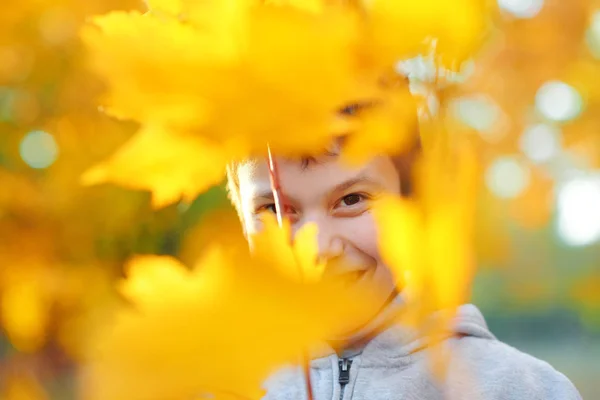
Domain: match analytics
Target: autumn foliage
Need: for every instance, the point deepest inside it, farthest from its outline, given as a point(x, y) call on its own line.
point(116, 286)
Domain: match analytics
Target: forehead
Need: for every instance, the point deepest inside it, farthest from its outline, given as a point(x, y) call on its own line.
point(318, 177)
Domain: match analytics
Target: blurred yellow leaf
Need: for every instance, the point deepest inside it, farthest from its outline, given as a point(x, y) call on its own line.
point(245, 98)
point(220, 328)
point(25, 314)
point(153, 277)
point(387, 127)
point(170, 6)
point(427, 241)
point(299, 259)
point(400, 229)
point(306, 249)
point(236, 96)
point(170, 167)
point(154, 83)
point(244, 92)
point(198, 238)
point(456, 28)
point(306, 5)
point(22, 387)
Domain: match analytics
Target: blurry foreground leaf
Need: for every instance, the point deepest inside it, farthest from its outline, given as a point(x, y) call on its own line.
point(452, 29)
point(264, 73)
point(220, 328)
point(428, 241)
point(25, 314)
point(171, 166)
point(22, 387)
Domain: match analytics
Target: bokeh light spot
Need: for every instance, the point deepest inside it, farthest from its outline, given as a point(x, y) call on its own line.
point(558, 101)
point(507, 177)
point(578, 204)
point(478, 112)
point(593, 34)
point(38, 149)
point(541, 142)
point(522, 8)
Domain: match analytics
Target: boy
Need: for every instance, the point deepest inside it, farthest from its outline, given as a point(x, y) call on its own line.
point(381, 360)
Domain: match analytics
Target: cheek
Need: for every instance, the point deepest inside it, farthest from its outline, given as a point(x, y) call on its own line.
point(362, 233)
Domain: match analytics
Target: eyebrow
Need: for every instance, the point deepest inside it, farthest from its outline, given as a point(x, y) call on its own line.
point(340, 187)
point(347, 184)
point(268, 195)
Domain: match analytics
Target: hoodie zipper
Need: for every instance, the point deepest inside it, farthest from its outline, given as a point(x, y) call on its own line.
point(344, 376)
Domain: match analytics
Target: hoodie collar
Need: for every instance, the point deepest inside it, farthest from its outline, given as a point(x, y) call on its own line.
point(400, 341)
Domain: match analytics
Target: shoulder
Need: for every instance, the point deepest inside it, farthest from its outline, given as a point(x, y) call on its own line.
point(283, 384)
point(287, 383)
point(500, 368)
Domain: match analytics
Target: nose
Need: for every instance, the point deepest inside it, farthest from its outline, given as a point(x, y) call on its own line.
point(329, 247)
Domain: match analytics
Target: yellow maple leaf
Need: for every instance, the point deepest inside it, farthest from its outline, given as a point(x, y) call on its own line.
point(171, 166)
point(387, 127)
point(25, 314)
point(301, 97)
point(428, 241)
point(219, 329)
point(306, 5)
point(267, 73)
point(169, 6)
point(150, 69)
point(400, 229)
point(298, 259)
point(240, 91)
point(456, 28)
point(237, 96)
point(152, 279)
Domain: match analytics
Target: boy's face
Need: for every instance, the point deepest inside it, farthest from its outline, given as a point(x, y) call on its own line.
point(335, 198)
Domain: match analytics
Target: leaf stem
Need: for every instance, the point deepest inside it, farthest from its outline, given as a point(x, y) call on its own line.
point(278, 195)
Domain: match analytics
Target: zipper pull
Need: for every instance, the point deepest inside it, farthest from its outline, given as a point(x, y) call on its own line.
point(344, 365)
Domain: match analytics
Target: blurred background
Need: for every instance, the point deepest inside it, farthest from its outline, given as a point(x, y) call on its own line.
point(531, 97)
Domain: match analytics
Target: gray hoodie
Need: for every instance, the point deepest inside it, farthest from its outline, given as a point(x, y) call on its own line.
point(394, 365)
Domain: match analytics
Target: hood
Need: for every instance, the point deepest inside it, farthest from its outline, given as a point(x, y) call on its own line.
point(399, 341)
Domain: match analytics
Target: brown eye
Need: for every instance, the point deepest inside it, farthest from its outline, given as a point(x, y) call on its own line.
point(352, 199)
